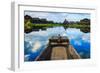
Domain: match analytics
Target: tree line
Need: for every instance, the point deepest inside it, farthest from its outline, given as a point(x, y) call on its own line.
point(31, 24)
point(84, 21)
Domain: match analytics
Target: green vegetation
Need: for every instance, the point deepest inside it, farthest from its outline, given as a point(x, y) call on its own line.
point(34, 24)
point(83, 28)
point(30, 26)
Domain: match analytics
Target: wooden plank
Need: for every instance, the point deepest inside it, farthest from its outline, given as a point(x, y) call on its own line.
point(58, 53)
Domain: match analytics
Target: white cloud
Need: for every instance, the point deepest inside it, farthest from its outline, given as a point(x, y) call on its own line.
point(37, 14)
point(58, 16)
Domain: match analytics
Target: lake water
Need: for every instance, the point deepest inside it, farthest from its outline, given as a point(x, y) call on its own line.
point(36, 41)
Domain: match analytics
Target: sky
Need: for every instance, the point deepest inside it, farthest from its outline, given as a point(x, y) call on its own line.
point(58, 16)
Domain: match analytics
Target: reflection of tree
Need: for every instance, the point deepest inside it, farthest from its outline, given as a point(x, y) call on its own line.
point(85, 22)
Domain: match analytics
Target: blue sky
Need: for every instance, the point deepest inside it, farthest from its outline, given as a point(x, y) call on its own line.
point(58, 16)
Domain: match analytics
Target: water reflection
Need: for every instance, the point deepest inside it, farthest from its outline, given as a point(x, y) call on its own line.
point(36, 41)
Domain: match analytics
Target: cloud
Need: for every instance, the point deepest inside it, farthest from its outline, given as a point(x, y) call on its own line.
point(58, 16)
point(37, 14)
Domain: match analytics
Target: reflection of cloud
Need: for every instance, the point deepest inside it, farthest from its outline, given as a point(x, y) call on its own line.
point(36, 46)
point(78, 36)
point(26, 57)
point(81, 53)
point(37, 39)
point(78, 43)
point(64, 34)
point(40, 33)
point(86, 37)
point(30, 42)
point(74, 33)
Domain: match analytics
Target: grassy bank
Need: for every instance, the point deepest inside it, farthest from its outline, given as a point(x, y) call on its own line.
point(34, 27)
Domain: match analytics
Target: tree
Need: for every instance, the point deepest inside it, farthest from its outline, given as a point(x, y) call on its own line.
point(27, 18)
point(65, 22)
point(85, 21)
